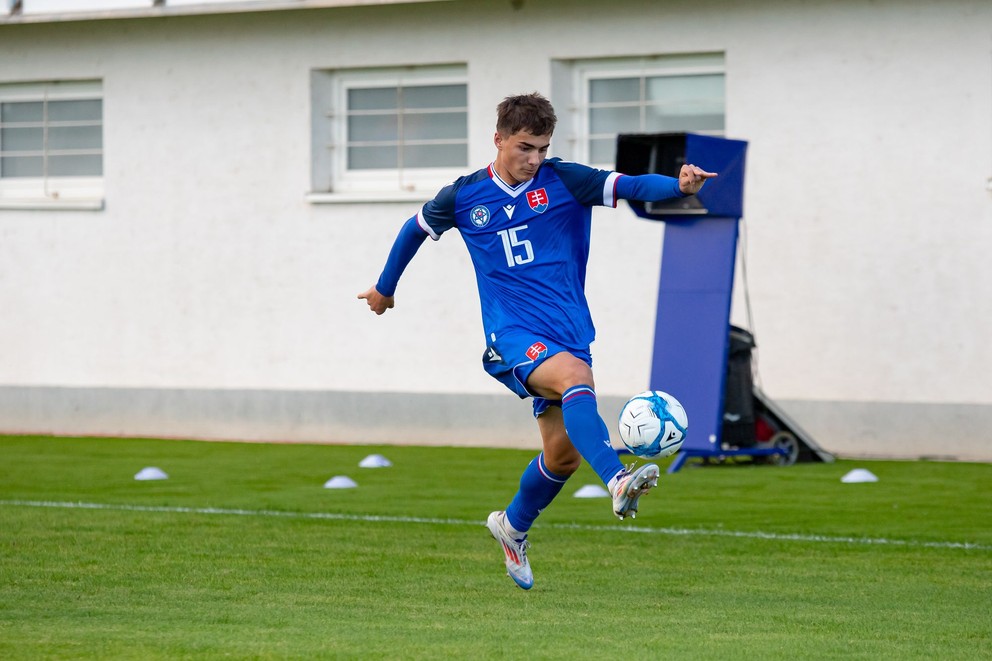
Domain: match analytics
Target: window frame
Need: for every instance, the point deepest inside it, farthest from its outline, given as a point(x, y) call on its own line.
point(83, 192)
point(331, 177)
point(580, 73)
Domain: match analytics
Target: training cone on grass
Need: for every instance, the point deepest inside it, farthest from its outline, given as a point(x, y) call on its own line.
point(592, 491)
point(375, 461)
point(151, 473)
point(859, 475)
point(340, 482)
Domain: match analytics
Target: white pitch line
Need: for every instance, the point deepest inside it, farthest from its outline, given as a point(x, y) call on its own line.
point(376, 518)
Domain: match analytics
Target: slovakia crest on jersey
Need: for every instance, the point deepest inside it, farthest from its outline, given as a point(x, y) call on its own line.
point(538, 200)
point(537, 350)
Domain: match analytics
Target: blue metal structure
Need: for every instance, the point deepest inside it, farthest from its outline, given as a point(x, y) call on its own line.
point(697, 277)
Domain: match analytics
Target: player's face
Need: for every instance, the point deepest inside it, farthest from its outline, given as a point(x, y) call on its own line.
point(519, 155)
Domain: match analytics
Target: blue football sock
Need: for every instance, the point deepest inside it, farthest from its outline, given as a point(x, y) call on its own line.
point(538, 487)
point(588, 432)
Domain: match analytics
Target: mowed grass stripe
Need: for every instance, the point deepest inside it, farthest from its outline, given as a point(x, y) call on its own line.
point(375, 518)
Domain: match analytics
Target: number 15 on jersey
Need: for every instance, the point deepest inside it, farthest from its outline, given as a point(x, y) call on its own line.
point(517, 250)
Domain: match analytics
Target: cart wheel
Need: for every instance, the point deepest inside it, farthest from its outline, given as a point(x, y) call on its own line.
point(788, 442)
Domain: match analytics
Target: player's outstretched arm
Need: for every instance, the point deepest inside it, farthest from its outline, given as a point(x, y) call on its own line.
point(657, 187)
point(380, 296)
point(692, 178)
point(376, 301)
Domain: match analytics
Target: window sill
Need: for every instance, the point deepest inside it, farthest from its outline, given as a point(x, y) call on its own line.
point(367, 197)
point(40, 204)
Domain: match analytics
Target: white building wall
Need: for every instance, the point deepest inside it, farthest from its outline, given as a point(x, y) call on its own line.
point(868, 218)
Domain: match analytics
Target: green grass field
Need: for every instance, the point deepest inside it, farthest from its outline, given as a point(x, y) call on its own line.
point(242, 553)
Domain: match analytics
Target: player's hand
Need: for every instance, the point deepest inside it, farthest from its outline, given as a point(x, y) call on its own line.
point(692, 178)
point(377, 302)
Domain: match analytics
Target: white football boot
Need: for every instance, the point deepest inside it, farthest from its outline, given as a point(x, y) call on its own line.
point(631, 486)
point(515, 550)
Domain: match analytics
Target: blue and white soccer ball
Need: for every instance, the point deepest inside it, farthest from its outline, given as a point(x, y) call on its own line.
point(653, 424)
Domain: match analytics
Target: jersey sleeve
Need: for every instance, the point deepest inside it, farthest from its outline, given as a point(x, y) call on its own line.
point(438, 216)
point(407, 242)
point(433, 220)
point(648, 188)
point(589, 186)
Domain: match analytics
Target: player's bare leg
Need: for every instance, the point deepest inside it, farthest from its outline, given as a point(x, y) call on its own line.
point(552, 378)
point(560, 455)
point(571, 378)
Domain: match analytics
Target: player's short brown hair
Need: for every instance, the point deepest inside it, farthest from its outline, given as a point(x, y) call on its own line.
point(526, 112)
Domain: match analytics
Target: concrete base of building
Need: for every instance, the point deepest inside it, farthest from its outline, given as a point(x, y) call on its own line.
point(847, 429)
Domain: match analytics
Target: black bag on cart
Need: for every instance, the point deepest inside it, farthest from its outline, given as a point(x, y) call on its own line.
point(738, 400)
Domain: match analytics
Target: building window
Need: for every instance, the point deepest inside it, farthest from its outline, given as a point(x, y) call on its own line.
point(638, 95)
point(388, 130)
point(51, 142)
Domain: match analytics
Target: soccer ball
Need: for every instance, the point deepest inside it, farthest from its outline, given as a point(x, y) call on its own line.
point(653, 424)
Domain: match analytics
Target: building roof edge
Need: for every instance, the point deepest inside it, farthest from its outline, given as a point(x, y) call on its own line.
point(245, 7)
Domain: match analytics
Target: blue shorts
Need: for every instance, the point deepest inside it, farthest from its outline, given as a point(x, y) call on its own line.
point(512, 357)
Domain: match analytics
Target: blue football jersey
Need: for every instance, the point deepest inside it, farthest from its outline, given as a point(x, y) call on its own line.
point(529, 244)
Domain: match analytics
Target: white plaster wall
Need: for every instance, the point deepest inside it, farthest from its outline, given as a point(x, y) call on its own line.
point(868, 214)
point(868, 200)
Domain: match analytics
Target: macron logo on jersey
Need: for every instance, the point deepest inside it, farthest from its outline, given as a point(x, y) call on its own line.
point(538, 200)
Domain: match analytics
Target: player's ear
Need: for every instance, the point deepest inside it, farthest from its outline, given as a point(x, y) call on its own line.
point(498, 140)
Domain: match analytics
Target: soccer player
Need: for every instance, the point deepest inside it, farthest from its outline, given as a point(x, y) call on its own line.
point(526, 222)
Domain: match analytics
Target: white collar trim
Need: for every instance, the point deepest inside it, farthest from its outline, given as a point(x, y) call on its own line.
point(512, 191)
